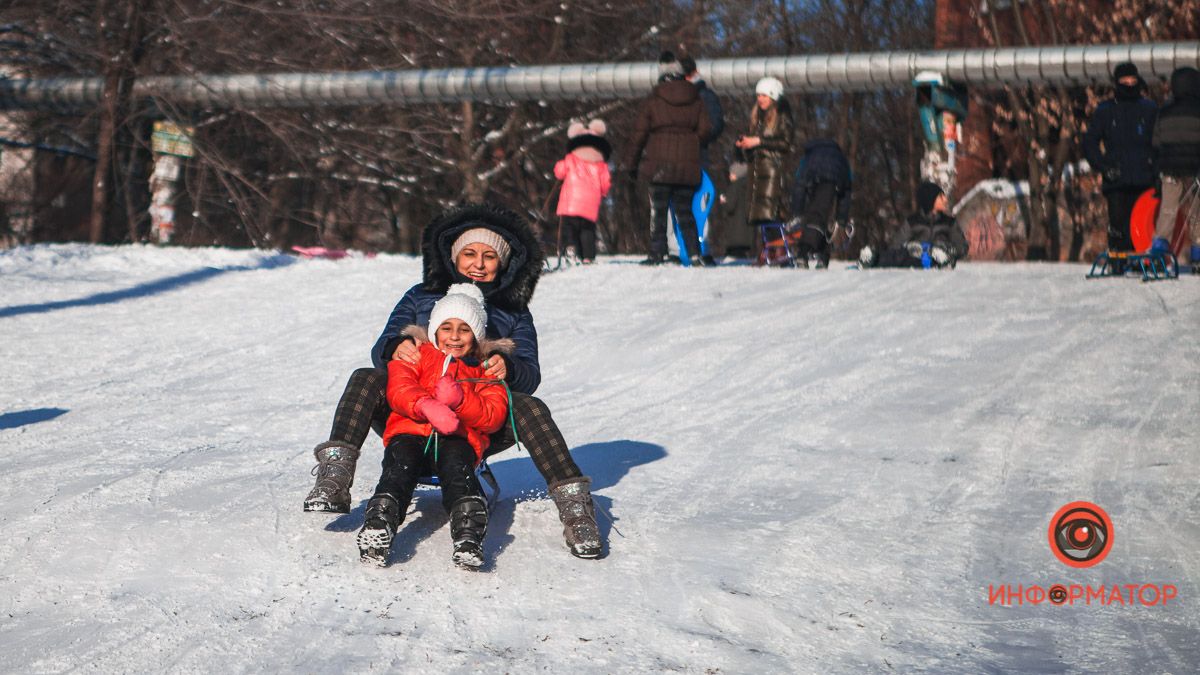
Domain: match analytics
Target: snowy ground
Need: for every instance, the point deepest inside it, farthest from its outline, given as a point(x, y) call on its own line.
point(809, 471)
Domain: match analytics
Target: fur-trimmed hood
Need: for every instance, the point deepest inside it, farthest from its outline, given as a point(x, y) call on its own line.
point(515, 283)
point(486, 346)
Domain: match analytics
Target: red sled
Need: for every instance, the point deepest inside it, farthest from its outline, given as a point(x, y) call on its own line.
point(1144, 218)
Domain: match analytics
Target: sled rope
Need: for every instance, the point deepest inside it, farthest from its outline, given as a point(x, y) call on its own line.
point(507, 392)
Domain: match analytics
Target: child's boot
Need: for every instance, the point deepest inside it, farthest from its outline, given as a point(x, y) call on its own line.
point(573, 498)
point(335, 475)
point(383, 518)
point(468, 525)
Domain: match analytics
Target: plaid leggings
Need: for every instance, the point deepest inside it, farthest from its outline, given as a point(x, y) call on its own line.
point(364, 406)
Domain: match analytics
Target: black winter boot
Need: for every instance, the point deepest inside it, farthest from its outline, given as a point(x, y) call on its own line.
point(573, 498)
point(383, 518)
point(335, 475)
point(468, 525)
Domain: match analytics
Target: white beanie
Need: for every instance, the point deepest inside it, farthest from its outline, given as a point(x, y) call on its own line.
point(463, 302)
point(481, 235)
point(769, 86)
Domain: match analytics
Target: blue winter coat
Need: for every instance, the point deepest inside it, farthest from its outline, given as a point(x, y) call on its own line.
point(524, 372)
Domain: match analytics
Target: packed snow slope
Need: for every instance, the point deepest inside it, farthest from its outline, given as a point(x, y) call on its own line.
point(814, 472)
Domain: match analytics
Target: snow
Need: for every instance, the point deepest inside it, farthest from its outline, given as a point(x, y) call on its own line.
point(808, 471)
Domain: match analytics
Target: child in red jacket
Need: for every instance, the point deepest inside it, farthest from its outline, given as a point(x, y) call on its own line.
point(585, 181)
point(441, 418)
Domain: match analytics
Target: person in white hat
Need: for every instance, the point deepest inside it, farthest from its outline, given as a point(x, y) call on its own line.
point(499, 253)
point(767, 146)
point(443, 400)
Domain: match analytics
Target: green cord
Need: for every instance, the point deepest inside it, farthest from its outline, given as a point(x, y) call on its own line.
point(432, 439)
point(508, 392)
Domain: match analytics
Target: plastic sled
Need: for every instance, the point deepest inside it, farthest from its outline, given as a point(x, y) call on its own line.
point(320, 252)
point(702, 204)
point(1153, 266)
point(1142, 221)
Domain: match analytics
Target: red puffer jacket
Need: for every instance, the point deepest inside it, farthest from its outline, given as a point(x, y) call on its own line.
point(482, 411)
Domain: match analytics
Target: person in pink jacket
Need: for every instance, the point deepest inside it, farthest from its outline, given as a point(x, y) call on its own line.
point(585, 181)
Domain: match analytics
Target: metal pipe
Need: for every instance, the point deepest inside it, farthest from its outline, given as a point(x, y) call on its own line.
point(815, 73)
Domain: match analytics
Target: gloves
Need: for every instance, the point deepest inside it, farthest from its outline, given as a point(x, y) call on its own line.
point(436, 413)
point(449, 392)
point(1112, 175)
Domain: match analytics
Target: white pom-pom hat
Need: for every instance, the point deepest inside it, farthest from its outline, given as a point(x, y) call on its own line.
point(463, 302)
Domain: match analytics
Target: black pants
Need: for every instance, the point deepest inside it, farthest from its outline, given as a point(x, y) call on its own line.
point(364, 405)
point(407, 458)
point(818, 206)
point(580, 233)
point(1120, 210)
point(680, 197)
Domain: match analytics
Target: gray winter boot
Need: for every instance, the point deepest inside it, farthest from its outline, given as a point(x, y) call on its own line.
point(468, 525)
point(573, 498)
point(335, 475)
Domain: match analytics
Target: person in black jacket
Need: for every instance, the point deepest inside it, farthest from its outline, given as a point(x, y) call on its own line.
point(930, 237)
point(1118, 145)
point(712, 104)
point(822, 180)
point(1177, 142)
point(499, 252)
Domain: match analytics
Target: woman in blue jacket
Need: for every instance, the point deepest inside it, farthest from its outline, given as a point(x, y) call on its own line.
point(497, 251)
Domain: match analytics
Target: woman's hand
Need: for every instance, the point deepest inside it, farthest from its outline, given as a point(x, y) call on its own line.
point(495, 368)
point(748, 142)
point(407, 351)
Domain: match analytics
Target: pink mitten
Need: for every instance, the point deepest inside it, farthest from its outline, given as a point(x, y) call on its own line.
point(449, 392)
point(436, 413)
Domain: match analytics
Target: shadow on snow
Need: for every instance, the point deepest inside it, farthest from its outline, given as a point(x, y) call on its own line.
point(145, 289)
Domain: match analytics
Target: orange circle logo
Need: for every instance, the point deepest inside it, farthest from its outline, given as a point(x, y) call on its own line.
point(1081, 534)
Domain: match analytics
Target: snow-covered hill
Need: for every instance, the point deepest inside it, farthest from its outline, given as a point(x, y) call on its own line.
point(808, 471)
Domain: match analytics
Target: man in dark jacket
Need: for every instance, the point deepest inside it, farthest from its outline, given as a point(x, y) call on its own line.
point(665, 151)
point(1177, 142)
point(822, 180)
point(1118, 145)
point(712, 104)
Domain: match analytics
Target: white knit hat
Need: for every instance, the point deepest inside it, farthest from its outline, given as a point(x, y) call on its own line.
point(481, 235)
point(769, 86)
point(463, 302)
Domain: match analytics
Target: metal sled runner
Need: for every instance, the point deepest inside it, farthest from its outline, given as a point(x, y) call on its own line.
point(1153, 265)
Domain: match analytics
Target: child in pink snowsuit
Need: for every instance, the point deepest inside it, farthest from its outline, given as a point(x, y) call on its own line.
point(585, 181)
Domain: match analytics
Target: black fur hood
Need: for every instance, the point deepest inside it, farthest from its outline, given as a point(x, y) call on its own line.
point(515, 283)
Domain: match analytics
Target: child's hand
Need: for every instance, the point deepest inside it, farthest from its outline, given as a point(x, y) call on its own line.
point(436, 413)
point(449, 392)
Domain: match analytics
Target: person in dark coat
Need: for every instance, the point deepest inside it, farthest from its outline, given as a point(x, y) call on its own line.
point(734, 210)
point(499, 252)
point(665, 152)
point(712, 103)
point(767, 146)
point(1177, 143)
point(1118, 144)
point(822, 181)
point(928, 238)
